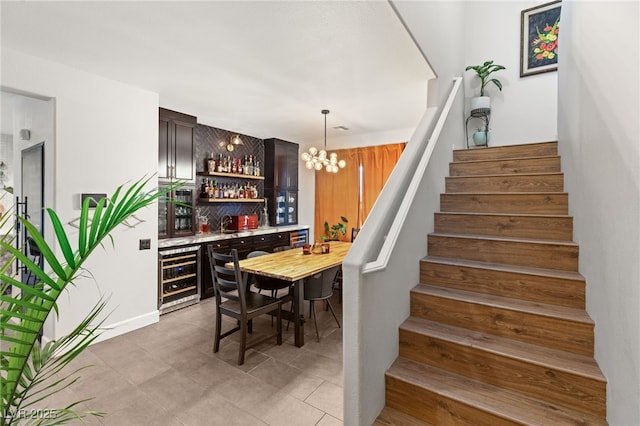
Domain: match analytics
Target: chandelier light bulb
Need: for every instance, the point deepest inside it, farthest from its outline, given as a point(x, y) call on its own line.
point(319, 159)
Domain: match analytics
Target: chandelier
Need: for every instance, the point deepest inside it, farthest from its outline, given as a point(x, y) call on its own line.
point(317, 159)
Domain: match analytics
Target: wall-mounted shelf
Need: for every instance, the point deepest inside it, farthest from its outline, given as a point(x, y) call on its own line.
point(230, 175)
point(231, 200)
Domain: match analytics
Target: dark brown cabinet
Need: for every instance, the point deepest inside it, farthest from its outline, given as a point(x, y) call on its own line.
point(206, 278)
point(176, 146)
point(175, 163)
point(281, 181)
point(244, 245)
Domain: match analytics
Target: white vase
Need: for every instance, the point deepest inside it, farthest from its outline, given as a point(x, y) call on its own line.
point(480, 102)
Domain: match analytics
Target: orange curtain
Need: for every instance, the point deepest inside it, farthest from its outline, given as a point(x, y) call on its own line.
point(340, 194)
point(337, 194)
point(377, 164)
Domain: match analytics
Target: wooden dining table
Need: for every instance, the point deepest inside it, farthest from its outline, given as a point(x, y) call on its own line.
point(293, 265)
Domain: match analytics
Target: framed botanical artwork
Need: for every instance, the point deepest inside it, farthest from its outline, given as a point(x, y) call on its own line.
point(539, 31)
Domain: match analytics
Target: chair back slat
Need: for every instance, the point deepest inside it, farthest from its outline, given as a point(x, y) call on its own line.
point(228, 282)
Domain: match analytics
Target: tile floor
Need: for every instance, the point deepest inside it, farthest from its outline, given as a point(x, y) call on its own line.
point(167, 374)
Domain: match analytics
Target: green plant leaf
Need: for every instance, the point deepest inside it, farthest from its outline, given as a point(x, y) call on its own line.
point(23, 315)
point(62, 238)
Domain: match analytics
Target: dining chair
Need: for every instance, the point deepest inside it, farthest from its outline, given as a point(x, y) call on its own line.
point(320, 287)
point(267, 283)
point(337, 285)
point(235, 299)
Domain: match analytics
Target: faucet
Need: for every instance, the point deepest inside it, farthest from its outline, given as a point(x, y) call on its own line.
point(223, 223)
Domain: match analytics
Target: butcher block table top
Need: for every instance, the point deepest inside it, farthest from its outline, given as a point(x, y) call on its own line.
point(292, 265)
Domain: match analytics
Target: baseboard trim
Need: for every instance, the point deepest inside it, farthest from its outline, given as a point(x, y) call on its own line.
point(119, 328)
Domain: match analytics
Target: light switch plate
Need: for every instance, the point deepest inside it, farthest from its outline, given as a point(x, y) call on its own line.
point(145, 244)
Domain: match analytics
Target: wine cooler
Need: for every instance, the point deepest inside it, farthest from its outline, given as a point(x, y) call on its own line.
point(179, 278)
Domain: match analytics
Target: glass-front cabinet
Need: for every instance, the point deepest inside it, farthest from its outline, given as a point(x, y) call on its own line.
point(286, 211)
point(176, 213)
point(281, 181)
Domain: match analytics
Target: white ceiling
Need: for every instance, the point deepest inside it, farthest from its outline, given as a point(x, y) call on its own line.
point(261, 68)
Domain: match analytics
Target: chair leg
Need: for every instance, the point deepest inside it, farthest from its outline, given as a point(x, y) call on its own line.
point(279, 328)
point(289, 317)
point(243, 342)
point(333, 312)
point(250, 328)
point(315, 320)
point(216, 338)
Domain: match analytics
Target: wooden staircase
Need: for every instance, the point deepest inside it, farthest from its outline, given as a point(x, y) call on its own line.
point(498, 332)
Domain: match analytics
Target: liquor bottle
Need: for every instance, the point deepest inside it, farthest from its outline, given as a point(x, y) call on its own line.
point(219, 164)
point(203, 188)
point(250, 171)
point(211, 163)
point(257, 170)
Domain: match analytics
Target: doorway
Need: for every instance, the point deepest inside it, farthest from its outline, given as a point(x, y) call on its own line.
point(27, 131)
point(32, 203)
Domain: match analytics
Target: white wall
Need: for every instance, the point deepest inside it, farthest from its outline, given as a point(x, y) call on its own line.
point(526, 108)
point(106, 134)
point(599, 124)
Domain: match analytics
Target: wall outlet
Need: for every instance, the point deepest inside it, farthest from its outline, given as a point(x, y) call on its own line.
point(145, 244)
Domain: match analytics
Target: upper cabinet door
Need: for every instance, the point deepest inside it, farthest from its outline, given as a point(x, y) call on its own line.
point(176, 146)
point(164, 149)
point(281, 164)
point(292, 166)
point(183, 150)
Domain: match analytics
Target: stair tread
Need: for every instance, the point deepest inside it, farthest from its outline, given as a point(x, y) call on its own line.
point(508, 194)
point(490, 160)
point(520, 305)
point(393, 417)
point(505, 239)
point(556, 359)
point(562, 216)
point(528, 270)
point(506, 404)
point(506, 175)
point(509, 147)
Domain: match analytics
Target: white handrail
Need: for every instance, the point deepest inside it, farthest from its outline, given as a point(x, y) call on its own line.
point(400, 190)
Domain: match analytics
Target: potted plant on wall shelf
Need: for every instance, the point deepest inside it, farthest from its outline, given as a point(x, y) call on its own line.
point(484, 71)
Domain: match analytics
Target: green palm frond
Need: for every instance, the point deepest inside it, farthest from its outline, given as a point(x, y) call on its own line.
point(26, 366)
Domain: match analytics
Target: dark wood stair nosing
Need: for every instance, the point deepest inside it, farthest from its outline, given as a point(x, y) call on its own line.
point(499, 238)
point(504, 267)
point(499, 214)
point(506, 175)
point(506, 347)
point(546, 310)
point(489, 160)
point(499, 402)
point(510, 147)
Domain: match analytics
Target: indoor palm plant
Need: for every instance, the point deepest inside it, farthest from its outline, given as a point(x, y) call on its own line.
point(483, 72)
point(31, 371)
